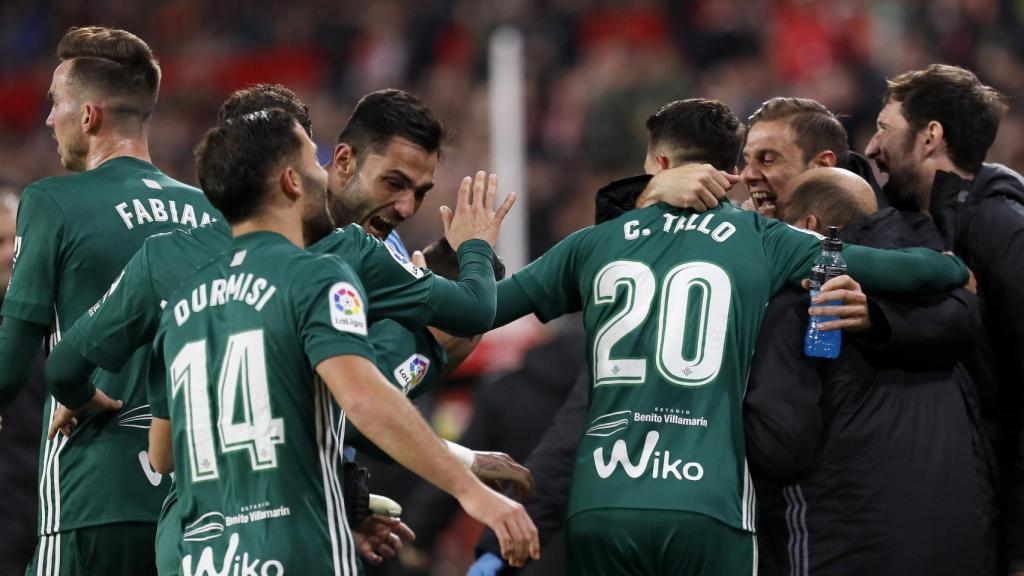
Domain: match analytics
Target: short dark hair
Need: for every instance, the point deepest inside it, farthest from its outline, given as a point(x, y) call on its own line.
point(698, 130)
point(262, 97)
point(444, 261)
point(968, 110)
point(831, 203)
point(116, 63)
point(234, 160)
point(815, 127)
point(385, 114)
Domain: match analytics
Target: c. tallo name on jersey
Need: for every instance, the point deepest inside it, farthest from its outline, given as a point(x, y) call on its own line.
point(674, 224)
point(156, 210)
point(242, 287)
point(664, 466)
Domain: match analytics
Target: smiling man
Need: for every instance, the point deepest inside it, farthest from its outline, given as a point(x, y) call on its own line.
point(933, 133)
point(787, 136)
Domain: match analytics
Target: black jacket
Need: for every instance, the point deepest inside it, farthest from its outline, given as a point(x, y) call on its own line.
point(983, 222)
point(863, 465)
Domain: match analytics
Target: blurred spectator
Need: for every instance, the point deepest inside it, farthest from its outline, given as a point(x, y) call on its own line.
point(19, 439)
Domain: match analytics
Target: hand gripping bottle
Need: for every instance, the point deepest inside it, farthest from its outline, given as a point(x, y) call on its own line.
point(829, 264)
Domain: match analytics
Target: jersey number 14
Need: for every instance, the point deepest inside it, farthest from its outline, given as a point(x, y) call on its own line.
point(241, 387)
point(703, 280)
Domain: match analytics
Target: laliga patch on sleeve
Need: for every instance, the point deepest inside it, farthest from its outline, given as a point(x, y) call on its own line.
point(348, 309)
point(411, 372)
point(409, 266)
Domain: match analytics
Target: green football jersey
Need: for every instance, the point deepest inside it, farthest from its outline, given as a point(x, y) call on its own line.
point(672, 302)
point(74, 235)
point(413, 361)
point(255, 455)
point(126, 317)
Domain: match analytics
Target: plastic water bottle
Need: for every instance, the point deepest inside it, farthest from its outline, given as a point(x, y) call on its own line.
point(829, 264)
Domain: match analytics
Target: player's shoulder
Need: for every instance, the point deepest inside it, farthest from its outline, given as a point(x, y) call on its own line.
point(343, 239)
point(211, 237)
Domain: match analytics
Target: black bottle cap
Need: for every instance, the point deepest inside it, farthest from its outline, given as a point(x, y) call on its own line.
point(832, 241)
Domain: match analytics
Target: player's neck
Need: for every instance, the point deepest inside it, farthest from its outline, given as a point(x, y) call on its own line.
point(271, 223)
point(114, 146)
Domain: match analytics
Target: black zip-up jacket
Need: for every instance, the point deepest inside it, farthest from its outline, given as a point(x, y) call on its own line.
point(864, 464)
point(983, 222)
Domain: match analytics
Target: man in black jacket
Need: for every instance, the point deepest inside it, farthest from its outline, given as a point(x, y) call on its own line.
point(863, 464)
point(932, 136)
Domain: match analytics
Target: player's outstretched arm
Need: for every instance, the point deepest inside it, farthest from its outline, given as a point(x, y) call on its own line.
point(907, 270)
point(392, 423)
point(161, 455)
point(19, 343)
point(67, 376)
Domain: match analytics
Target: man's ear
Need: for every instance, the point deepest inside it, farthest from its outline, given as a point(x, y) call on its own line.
point(825, 159)
point(811, 222)
point(92, 118)
point(662, 161)
point(933, 136)
point(291, 184)
point(344, 162)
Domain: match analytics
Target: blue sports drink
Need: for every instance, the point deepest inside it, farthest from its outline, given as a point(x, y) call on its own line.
point(829, 264)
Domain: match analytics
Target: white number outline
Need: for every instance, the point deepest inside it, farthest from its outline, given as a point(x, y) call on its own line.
point(638, 278)
point(244, 364)
point(191, 360)
point(716, 300)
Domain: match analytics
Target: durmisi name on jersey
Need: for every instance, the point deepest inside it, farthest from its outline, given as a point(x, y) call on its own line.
point(147, 210)
point(674, 224)
point(658, 461)
point(242, 287)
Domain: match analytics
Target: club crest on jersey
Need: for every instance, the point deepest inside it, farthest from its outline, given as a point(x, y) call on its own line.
point(411, 372)
point(348, 313)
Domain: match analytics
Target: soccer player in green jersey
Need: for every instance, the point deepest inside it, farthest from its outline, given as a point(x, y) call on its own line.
point(672, 301)
point(126, 318)
point(98, 496)
point(236, 353)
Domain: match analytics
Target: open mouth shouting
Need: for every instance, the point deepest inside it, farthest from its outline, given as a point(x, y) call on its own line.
point(380, 225)
point(764, 201)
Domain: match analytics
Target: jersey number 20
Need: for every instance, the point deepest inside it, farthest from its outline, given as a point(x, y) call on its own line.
point(242, 386)
point(703, 280)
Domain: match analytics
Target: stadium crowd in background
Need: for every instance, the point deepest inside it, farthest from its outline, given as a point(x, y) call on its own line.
point(594, 70)
point(944, 373)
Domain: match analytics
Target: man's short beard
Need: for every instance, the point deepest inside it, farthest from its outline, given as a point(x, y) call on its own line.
point(905, 185)
point(316, 221)
point(341, 209)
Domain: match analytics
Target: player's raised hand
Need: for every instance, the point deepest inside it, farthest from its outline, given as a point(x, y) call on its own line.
point(496, 469)
point(509, 521)
point(64, 419)
point(379, 537)
point(695, 186)
point(473, 217)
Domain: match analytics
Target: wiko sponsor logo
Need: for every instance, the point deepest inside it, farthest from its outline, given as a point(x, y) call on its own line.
point(232, 563)
point(664, 466)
